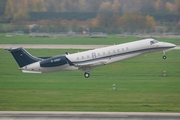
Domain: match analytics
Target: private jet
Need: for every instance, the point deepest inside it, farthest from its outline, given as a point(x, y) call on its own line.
point(87, 60)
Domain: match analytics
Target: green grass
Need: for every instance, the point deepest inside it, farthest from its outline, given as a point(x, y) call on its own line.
point(140, 86)
point(25, 39)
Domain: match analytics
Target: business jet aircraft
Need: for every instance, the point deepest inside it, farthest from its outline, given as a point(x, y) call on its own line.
point(88, 60)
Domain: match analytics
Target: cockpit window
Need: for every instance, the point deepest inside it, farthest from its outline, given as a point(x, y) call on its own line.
point(153, 42)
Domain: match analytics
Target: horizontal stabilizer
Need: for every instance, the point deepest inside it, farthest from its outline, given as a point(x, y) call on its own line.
point(13, 49)
point(25, 71)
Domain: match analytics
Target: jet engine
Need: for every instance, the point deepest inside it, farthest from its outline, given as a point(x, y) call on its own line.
point(54, 61)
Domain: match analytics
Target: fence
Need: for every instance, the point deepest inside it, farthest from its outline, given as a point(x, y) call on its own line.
point(72, 34)
point(157, 36)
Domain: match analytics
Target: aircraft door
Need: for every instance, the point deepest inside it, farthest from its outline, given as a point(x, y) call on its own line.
point(93, 55)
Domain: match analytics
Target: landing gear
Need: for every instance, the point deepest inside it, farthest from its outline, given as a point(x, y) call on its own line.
point(87, 70)
point(164, 57)
point(86, 75)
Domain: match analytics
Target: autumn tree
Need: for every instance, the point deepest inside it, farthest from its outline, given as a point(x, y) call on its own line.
point(150, 22)
point(51, 6)
point(147, 6)
point(170, 7)
point(135, 22)
point(178, 25)
point(108, 20)
point(73, 23)
point(93, 5)
point(82, 5)
point(105, 7)
point(108, 14)
point(178, 8)
point(131, 6)
point(21, 5)
point(33, 5)
point(120, 22)
point(95, 23)
point(37, 5)
point(159, 6)
point(9, 11)
point(21, 15)
point(73, 5)
point(116, 7)
point(40, 6)
point(2, 6)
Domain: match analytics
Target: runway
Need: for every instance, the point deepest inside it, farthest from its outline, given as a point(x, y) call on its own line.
point(40, 115)
point(47, 46)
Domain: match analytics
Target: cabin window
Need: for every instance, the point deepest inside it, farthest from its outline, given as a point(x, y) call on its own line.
point(114, 51)
point(109, 52)
point(77, 58)
point(117, 50)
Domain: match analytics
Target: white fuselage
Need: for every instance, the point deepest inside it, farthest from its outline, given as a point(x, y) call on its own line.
point(87, 60)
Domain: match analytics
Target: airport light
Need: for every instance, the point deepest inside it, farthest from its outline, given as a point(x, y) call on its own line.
point(114, 88)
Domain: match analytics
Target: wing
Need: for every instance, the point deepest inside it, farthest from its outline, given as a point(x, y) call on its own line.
point(88, 66)
point(91, 63)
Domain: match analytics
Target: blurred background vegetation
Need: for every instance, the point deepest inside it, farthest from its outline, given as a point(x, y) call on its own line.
point(110, 16)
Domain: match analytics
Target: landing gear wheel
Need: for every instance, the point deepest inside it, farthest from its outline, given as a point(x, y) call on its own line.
point(164, 57)
point(86, 75)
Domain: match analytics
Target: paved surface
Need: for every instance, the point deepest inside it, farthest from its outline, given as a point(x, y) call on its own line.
point(53, 46)
point(59, 46)
point(40, 115)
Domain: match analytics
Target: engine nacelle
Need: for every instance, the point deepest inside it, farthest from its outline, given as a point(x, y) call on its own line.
point(54, 61)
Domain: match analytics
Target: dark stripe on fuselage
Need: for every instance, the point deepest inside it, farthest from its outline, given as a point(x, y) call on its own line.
point(120, 54)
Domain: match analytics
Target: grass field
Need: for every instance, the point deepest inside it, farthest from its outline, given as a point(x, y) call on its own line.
point(140, 86)
point(25, 39)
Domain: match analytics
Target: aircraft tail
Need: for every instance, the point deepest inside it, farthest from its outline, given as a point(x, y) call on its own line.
point(22, 57)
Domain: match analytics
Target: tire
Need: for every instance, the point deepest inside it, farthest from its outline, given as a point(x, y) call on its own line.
point(86, 75)
point(164, 57)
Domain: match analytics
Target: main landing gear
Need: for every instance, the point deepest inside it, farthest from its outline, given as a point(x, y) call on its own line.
point(87, 70)
point(86, 75)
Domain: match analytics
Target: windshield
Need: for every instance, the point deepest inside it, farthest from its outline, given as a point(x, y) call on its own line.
point(155, 41)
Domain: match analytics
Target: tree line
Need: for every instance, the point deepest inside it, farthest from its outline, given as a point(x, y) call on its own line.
point(123, 6)
point(126, 14)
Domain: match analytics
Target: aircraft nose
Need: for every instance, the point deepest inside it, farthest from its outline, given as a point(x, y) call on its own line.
point(172, 45)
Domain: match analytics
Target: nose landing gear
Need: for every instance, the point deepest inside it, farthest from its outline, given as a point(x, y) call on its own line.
point(164, 57)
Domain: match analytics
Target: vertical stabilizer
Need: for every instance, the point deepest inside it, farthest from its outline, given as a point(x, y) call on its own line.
point(22, 57)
